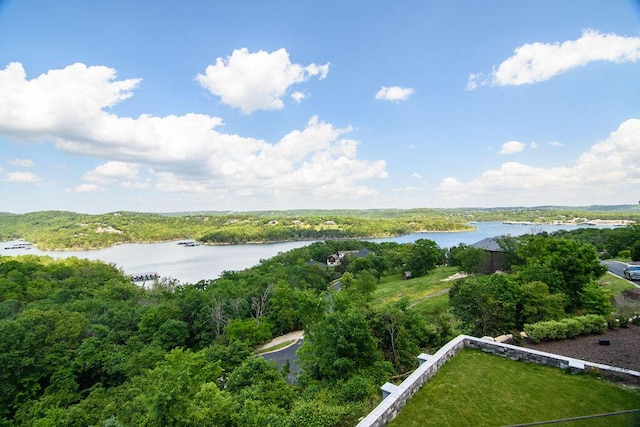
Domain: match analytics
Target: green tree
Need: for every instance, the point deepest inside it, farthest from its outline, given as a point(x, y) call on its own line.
point(259, 380)
point(424, 255)
point(538, 304)
point(471, 259)
point(402, 333)
point(486, 306)
point(180, 391)
point(566, 266)
point(596, 299)
point(249, 331)
point(338, 345)
point(172, 333)
point(365, 283)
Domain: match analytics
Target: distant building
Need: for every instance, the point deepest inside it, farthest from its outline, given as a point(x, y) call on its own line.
point(336, 259)
point(496, 255)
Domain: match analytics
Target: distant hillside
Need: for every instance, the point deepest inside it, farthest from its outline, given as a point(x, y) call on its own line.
point(69, 230)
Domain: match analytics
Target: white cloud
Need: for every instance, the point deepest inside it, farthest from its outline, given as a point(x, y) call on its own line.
point(185, 153)
point(59, 101)
point(111, 172)
point(256, 81)
point(512, 147)
point(136, 185)
point(608, 173)
point(22, 177)
point(22, 163)
point(86, 188)
point(533, 145)
point(537, 62)
point(298, 97)
point(394, 93)
point(474, 78)
point(416, 175)
point(556, 144)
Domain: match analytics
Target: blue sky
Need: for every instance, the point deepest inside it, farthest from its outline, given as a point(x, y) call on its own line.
point(162, 106)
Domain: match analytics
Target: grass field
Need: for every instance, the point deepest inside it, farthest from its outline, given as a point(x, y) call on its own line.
point(478, 389)
point(416, 291)
point(428, 294)
point(614, 283)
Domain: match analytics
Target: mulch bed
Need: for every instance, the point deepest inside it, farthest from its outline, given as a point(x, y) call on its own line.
point(623, 351)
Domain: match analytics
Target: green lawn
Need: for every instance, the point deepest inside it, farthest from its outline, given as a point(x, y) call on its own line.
point(614, 283)
point(478, 389)
point(417, 290)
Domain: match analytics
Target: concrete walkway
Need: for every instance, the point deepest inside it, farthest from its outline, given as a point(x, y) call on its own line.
point(294, 337)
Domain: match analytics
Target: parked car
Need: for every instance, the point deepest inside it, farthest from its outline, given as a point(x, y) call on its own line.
point(632, 272)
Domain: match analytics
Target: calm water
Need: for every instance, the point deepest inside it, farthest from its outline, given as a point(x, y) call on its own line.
point(191, 264)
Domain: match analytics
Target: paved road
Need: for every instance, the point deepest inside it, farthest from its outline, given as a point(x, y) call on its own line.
point(288, 353)
point(616, 268)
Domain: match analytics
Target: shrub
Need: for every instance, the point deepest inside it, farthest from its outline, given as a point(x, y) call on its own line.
point(625, 254)
point(593, 323)
point(517, 338)
point(572, 327)
point(624, 321)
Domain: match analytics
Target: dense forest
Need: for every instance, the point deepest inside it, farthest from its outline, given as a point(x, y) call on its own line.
point(84, 346)
point(81, 345)
point(68, 230)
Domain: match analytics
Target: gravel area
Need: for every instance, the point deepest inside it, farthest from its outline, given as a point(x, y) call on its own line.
point(624, 351)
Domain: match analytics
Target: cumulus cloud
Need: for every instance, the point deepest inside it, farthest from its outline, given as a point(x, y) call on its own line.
point(394, 93)
point(111, 172)
point(184, 153)
point(609, 172)
point(537, 62)
point(556, 144)
point(512, 147)
point(416, 175)
point(22, 163)
point(58, 100)
point(298, 97)
point(256, 81)
point(86, 188)
point(23, 177)
point(533, 145)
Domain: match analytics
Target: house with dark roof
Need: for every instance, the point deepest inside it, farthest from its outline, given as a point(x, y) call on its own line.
point(336, 259)
point(495, 255)
point(314, 263)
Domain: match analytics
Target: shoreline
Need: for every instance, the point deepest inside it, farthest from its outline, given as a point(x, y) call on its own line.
point(78, 249)
point(469, 227)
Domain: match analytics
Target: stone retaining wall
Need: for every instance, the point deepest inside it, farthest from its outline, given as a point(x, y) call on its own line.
point(396, 396)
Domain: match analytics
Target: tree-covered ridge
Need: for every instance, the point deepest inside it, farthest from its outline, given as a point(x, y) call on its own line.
point(68, 230)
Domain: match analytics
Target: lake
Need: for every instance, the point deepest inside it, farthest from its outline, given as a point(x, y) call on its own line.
point(194, 263)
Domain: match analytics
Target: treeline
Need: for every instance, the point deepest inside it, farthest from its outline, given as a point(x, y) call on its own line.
point(623, 242)
point(548, 214)
point(67, 230)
